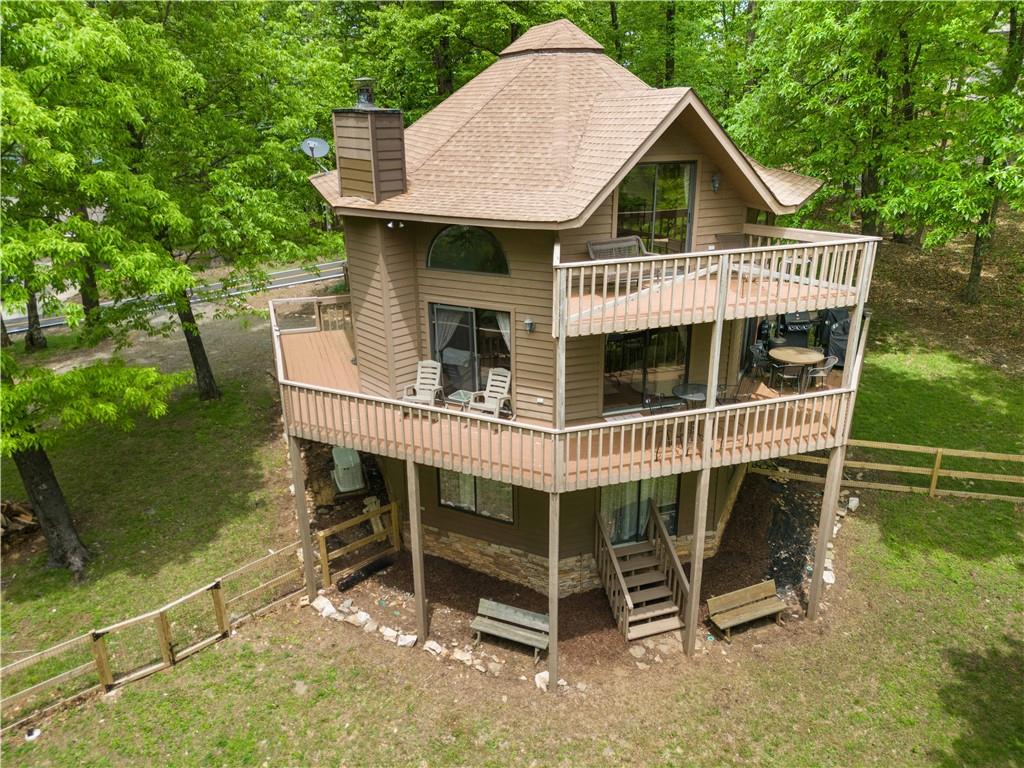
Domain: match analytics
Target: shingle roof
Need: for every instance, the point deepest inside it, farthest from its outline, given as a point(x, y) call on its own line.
point(537, 138)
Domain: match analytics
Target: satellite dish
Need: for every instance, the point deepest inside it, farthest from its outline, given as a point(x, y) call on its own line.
point(314, 147)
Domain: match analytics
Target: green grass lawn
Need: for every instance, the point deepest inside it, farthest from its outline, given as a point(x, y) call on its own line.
point(162, 510)
point(918, 662)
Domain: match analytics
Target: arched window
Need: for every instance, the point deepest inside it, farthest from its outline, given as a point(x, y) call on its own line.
point(468, 249)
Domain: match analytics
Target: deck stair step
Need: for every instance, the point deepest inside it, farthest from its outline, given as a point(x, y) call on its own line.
point(639, 548)
point(644, 577)
point(653, 611)
point(658, 627)
point(649, 594)
point(638, 564)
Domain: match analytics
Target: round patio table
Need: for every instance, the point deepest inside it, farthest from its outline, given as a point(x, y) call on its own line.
point(691, 393)
point(796, 355)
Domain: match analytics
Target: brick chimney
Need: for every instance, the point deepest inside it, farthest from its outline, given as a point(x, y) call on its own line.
point(370, 147)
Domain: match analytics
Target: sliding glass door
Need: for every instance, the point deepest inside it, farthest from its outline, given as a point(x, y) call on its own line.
point(626, 507)
point(642, 369)
point(469, 343)
point(656, 204)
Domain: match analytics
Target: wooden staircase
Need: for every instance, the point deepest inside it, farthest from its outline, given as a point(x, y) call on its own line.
point(644, 581)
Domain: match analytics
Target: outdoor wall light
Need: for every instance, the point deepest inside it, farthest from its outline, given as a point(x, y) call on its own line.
point(716, 180)
point(396, 224)
point(529, 325)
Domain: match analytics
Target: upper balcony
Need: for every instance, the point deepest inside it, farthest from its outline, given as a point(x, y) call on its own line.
point(779, 270)
point(321, 400)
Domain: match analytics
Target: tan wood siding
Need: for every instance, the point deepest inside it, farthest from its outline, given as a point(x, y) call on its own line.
point(366, 284)
point(388, 154)
point(527, 532)
point(353, 155)
point(398, 254)
point(584, 378)
point(600, 226)
point(525, 293)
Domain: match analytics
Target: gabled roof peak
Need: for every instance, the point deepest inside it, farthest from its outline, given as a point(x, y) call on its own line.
point(555, 36)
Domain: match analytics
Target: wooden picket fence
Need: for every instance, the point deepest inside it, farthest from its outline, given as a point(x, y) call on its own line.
point(384, 522)
point(147, 643)
point(130, 650)
point(935, 470)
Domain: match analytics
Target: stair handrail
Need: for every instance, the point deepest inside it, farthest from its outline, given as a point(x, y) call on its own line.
point(654, 520)
point(615, 562)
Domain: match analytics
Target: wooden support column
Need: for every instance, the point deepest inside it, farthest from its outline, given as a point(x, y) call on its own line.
point(412, 480)
point(553, 550)
point(829, 499)
point(700, 520)
point(559, 324)
point(863, 282)
point(714, 362)
point(302, 515)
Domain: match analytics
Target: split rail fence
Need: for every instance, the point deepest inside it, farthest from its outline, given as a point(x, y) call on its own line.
point(945, 463)
point(129, 650)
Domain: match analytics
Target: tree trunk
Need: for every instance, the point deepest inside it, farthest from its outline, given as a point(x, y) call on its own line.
point(205, 382)
point(982, 241)
point(5, 338)
point(613, 8)
point(444, 80)
point(34, 338)
point(90, 294)
point(66, 549)
point(670, 43)
point(868, 190)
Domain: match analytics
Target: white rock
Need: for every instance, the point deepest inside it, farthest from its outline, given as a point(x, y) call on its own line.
point(32, 734)
point(389, 634)
point(648, 643)
point(494, 668)
point(657, 659)
point(357, 619)
point(641, 665)
point(346, 604)
point(541, 680)
point(828, 577)
point(324, 606)
point(433, 647)
point(370, 626)
point(637, 651)
point(830, 545)
point(581, 687)
point(337, 616)
point(479, 667)
point(562, 682)
point(464, 656)
point(835, 529)
point(406, 641)
point(853, 504)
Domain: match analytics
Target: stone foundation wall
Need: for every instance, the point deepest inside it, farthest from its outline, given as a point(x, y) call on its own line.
point(576, 574)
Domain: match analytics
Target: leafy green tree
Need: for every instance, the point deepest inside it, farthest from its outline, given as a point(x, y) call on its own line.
point(71, 82)
point(225, 151)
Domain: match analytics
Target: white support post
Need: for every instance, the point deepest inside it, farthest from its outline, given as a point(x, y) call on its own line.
point(863, 282)
point(829, 499)
point(560, 323)
point(553, 554)
point(700, 519)
point(412, 480)
point(302, 515)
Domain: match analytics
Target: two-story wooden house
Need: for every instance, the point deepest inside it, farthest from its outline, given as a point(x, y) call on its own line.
point(489, 235)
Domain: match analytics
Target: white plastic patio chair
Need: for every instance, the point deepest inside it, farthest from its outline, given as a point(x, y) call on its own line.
point(495, 395)
point(427, 389)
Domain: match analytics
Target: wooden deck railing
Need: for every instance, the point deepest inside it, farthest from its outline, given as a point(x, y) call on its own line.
point(611, 577)
point(781, 270)
point(586, 456)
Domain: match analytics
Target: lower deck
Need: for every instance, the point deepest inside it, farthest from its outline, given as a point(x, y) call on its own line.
point(327, 406)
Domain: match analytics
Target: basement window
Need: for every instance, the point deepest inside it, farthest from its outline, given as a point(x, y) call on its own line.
point(467, 249)
point(476, 495)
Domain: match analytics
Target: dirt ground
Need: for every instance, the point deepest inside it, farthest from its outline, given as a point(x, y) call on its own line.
point(770, 534)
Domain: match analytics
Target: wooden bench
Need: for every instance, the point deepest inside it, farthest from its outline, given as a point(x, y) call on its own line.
point(728, 610)
point(511, 623)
